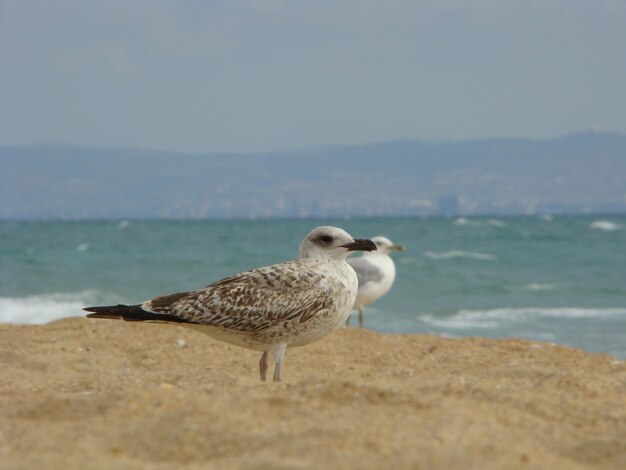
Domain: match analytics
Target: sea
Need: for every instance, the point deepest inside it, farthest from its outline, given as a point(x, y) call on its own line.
point(556, 279)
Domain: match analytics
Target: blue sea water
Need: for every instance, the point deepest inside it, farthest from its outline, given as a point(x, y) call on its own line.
point(559, 279)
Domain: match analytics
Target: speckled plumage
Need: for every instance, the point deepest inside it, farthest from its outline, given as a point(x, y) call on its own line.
point(270, 308)
point(296, 302)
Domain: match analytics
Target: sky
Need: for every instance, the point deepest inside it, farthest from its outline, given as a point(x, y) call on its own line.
point(255, 76)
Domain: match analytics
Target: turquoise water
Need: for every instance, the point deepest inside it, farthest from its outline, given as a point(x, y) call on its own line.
point(555, 279)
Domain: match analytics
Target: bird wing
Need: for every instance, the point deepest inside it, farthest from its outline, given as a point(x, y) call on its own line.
point(366, 271)
point(251, 301)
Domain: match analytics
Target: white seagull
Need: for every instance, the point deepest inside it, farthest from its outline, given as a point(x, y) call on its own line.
point(376, 272)
point(266, 309)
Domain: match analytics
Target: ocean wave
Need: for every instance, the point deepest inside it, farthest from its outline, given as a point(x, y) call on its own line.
point(496, 223)
point(460, 254)
point(409, 261)
point(45, 307)
point(540, 287)
point(494, 318)
point(605, 225)
point(464, 221)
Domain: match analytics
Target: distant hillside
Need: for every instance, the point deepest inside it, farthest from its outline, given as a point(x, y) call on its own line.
point(577, 173)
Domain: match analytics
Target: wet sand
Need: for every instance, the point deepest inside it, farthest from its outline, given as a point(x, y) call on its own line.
point(81, 393)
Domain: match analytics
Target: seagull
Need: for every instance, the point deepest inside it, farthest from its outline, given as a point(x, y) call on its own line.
point(376, 273)
point(266, 309)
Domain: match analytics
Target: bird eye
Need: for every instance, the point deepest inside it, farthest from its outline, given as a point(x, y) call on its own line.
point(326, 238)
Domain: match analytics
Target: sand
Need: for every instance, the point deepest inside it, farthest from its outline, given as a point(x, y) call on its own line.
point(81, 393)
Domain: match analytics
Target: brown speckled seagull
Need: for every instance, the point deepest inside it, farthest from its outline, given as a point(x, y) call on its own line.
point(266, 309)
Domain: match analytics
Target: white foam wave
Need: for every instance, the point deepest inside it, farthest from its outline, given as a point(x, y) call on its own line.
point(496, 223)
point(540, 287)
point(45, 307)
point(495, 317)
point(82, 247)
point(464, 221)
point(460, 254)
point(606, 225)
point(408, 261)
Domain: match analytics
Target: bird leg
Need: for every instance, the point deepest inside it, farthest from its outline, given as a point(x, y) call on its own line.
point(361, 317)
point(278, 354)
point(348, 320)
point(263, 366)
point(277, 372)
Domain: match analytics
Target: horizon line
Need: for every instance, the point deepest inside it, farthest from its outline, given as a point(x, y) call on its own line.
point(322, 147)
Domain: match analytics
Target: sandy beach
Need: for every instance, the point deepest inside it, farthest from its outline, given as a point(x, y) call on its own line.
point(81, 393)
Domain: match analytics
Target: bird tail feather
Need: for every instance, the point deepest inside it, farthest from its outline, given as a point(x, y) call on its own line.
point(131, 313)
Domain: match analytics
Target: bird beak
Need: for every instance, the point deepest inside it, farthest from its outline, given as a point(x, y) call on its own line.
point(398, 248)
point(360, 245)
